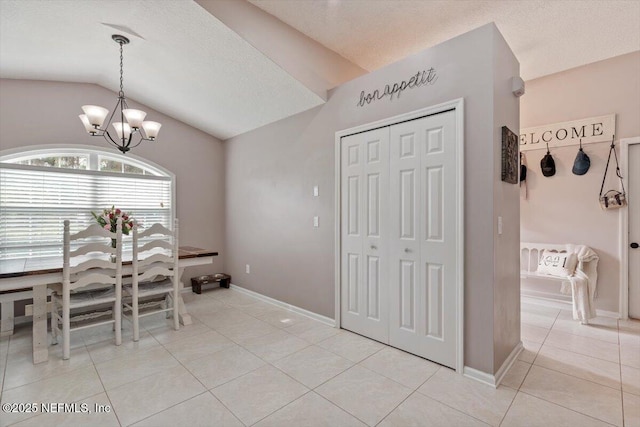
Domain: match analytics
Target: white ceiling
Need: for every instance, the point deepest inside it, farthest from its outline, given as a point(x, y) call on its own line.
point(546, 36)
point(189, 65)
point(186, 63)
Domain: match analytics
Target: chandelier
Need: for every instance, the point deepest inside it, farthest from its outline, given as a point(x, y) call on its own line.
point(94, 117)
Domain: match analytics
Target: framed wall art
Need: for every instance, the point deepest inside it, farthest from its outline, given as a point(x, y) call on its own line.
point(510, 167)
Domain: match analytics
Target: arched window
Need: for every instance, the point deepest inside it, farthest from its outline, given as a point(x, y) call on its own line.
point(41, 187)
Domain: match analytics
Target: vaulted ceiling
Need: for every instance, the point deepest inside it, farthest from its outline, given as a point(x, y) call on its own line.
point(221, 75)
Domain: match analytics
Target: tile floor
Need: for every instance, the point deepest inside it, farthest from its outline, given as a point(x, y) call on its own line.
point(246, 362)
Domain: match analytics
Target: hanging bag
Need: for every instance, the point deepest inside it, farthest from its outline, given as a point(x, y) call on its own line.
point(612, 199)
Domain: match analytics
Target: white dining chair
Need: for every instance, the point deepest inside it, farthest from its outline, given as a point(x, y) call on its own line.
point(91, 283)
point(155, 274)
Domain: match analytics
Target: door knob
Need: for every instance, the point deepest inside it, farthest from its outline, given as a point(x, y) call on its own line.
point(407, 250)
point(634, 245)
point(374, 247)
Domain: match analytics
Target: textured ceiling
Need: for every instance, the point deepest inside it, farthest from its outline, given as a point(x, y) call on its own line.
point(184, 62)
point(546, 36)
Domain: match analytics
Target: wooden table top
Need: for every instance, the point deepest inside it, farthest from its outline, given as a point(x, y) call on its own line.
point(45, 265)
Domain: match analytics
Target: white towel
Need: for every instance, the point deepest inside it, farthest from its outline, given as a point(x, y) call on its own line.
point(584, 283)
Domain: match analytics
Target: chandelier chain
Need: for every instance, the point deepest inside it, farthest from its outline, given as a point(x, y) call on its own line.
point(121, 73)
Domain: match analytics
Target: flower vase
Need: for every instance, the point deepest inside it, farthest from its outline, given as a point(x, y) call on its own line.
point(112, 257)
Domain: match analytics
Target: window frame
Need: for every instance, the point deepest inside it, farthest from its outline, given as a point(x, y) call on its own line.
point(9, 156)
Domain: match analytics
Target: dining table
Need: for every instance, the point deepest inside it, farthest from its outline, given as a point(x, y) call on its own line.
point(37, 273)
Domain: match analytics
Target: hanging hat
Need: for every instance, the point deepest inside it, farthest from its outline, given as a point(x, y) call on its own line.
point(581, 163)
point(547, 164)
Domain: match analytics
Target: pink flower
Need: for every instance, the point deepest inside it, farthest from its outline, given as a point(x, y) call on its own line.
point(107, 227)
point(118, 211)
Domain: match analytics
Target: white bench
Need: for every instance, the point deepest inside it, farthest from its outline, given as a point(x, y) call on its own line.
point(530, 254)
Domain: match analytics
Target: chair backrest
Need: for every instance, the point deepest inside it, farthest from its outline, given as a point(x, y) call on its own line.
point(155, 252)
point(88, 263)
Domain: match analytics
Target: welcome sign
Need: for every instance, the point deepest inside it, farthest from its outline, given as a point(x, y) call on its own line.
point(594, 129)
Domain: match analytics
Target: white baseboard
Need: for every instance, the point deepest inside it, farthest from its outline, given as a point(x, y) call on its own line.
point(477, 375)
point(508, 363)
point(548, 301)
point(315, 316)
point(495, 380)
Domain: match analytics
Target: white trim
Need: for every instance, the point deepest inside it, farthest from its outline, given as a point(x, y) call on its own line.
point(480, 376)
point(458, 106)
point(508, 363)
point(313, 316)
point(546, 299)
point(495, 380)
point(623, 304)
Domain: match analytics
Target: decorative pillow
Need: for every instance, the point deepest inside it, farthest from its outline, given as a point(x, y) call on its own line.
point(561, 264)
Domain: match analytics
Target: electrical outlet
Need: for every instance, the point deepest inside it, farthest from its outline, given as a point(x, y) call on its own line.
point(247, 269)
point(499, 225)
point(316, 221)
point(316, 191)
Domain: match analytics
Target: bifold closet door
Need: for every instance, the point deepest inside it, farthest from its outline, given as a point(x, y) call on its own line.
point(364, 231)
point(423, 238)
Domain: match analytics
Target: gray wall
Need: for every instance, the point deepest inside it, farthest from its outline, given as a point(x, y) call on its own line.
point(41, 113)
point(564, 208)
point(271, 172)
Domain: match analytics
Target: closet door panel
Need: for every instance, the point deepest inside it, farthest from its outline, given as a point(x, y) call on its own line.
point(365, 188)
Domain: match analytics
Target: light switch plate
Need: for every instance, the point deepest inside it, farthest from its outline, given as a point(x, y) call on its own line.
point(316, 191)
point(499, 225)
point(316, 221)
point(247, 269)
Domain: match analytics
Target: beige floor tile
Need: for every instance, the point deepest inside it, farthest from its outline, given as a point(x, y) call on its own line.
point(102, 333)
point(259, 308)
point(538, 320)
point(600, 328)
point(539, 309)
point(631, 410)
point(224, 318)
point(247, 329)
point(364, 394)
point(529, 411)
point(201, 411)
point(310, 410)
point(516, 374)
point(533, 333)
point(204, 306)
point(282, 318)
point(629, 336)
point(167, 334)
point(421, 411)
point(583, 345)
point(123, 370)
point(105, 350)
point(198, 346)
point(530, 351)
point(274, 346)
point(580, 395)
point(140, 399)
point(224, 366)
point(351, 346)
point(402, 367)
point(258, 393)
point(313, 365)
point(485, 403)
point(70, 387)
point(630, 380)
point(99, 414)
point(312, 331)
point(630, 355)
point(581, 366)
point(235, 298)
point(20, 369)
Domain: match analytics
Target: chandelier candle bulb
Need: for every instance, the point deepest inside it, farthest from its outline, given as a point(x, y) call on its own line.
point(87, 125)
point(95, 114)
point(151, 129)
point(122, 129)
point(134, 117)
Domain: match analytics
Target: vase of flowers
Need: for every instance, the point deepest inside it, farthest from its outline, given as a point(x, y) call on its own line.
point(108, 220)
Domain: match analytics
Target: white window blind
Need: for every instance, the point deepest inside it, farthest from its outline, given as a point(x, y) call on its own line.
point(35, 200)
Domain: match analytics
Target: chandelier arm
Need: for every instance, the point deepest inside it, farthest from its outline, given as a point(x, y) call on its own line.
point(107, 136)
point(139, 142)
